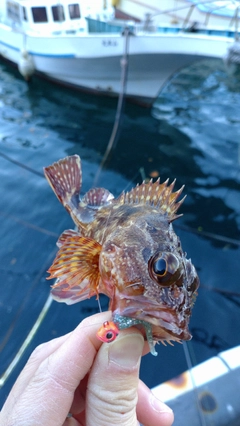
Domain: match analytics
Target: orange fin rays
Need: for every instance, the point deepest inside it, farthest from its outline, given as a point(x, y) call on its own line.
point(69, 233)
point(65, 178)
point(159, 195)
point(76, 267)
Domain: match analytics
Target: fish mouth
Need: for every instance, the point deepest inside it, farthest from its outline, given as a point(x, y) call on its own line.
point(169, 330)
point(167, 323)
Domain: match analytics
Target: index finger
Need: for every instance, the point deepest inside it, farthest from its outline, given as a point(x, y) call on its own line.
point(71, 361)
point(74, 358)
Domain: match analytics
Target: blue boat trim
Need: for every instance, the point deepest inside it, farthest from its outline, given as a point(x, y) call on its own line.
point(48, 55)
point(10, 46)
point(51, 55)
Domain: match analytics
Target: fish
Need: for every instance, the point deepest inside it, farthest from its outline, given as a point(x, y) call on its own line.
point(127, 249)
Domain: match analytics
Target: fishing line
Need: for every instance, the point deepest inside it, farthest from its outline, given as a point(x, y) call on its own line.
point(208, 234)
point(27, 341)
point(15, 218)
point(190, 366)
point(99, 304)
point(23, 166)
point(142, 173)
point(186, 228)
point(17, 316)
point(221, 291)
point(29, 224)
point(131, 182)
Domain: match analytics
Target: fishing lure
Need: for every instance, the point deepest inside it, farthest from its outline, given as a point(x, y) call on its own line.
point(110, 330)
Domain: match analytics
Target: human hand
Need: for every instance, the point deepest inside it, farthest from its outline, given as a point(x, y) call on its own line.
point(98, 383)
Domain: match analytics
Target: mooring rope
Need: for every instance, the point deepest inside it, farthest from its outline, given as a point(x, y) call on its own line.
point(120, 106)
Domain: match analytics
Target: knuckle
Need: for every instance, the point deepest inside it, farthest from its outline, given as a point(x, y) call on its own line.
point(108, 406)
point(38, 351)
point(36, 355)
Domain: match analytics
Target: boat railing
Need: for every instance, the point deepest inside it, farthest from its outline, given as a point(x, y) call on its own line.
point(117, 27)
point(96, 26)
point(209, 8)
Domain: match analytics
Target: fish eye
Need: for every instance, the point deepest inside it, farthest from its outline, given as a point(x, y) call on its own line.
point(109, 335)
point(164, 268)
point(160, 267)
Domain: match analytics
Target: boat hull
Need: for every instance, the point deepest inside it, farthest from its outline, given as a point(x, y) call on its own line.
point(94, 62)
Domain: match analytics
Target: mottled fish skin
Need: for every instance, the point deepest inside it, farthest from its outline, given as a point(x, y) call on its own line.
point(125, 248)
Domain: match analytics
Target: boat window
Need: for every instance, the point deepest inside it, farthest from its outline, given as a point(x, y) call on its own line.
point(24, 13)
point(39, 14)
point(74, 11)
point(58, 13)
point(13, 11)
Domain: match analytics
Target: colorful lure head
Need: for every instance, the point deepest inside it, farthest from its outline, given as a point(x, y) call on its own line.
point(108, 332)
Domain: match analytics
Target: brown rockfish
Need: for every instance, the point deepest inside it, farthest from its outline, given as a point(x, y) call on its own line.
point(126, 248)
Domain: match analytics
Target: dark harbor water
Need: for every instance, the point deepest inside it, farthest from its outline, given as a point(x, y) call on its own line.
point(192, 133)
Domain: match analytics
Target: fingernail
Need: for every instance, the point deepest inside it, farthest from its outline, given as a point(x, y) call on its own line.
point(158, 405)
point(126, 350)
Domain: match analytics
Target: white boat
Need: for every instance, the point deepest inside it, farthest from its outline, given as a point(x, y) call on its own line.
point(81, 45)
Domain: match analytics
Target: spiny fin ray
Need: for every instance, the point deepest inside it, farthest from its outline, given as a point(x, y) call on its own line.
point(159, 195)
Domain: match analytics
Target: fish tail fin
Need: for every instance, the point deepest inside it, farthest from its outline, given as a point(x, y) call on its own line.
point(65, 179)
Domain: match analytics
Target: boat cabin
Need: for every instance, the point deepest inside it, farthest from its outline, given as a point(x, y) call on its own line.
point(52, 15)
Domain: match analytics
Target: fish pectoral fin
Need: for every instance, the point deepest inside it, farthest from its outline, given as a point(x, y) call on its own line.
point(65, 235)
point(156, 194)
point(76, 268)
point(65, 178)
point(97, 198)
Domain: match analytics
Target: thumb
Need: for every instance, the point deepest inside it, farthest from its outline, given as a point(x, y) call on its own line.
point(113, 382)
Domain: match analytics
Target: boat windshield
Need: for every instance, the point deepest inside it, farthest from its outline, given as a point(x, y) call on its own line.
point(13, 11)
point(39, 14)
point(57, 13)
point(74, 11)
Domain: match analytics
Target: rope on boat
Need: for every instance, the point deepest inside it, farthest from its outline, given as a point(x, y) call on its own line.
point(233, 55)
point(119, 113)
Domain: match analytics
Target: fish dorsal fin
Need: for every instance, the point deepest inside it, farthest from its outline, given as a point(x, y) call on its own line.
point(155, 194)
point(65, 178)
point(96, 198)
point(76, 267)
